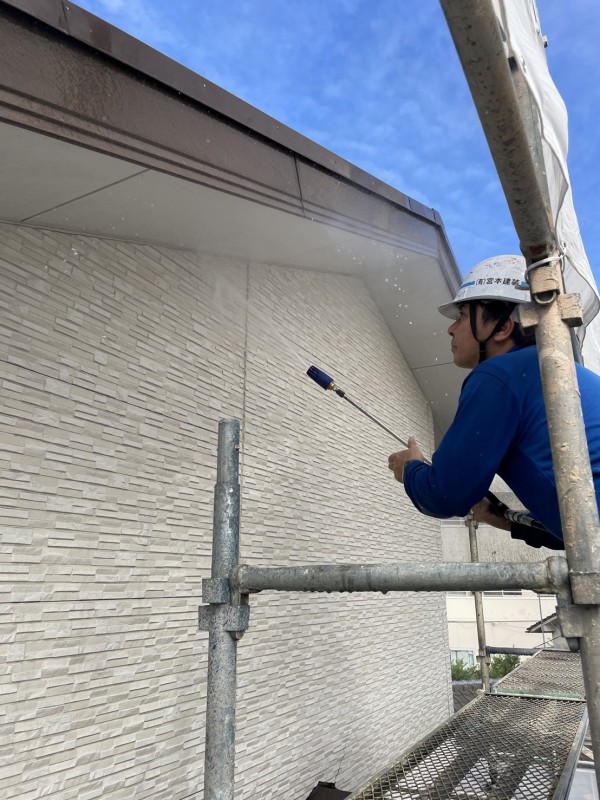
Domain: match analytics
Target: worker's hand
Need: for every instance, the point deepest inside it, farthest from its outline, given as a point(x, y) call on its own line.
point(482, 513)
point(398, 461)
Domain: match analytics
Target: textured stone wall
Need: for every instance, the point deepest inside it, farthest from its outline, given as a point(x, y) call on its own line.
point(116, 362)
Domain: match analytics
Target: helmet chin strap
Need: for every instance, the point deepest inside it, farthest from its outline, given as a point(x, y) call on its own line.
point(473, 321)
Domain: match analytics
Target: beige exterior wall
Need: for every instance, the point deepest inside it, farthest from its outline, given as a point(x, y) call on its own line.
point(117, 361)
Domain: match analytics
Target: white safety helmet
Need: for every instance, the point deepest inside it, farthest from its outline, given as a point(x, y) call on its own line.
point(498, 278)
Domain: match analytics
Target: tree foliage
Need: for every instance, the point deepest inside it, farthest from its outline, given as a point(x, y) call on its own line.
point(462, 672)
point(499, 667)
point(502, 665)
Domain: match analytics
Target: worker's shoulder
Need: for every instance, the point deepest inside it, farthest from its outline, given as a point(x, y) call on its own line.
point(515, 373)
point(520, 362)
point(588, 379)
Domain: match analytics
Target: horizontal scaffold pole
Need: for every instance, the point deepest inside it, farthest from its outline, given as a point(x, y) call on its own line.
point(546, 577)
point(520, 651)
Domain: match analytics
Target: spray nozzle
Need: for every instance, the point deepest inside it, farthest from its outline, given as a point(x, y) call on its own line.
point(324, 380)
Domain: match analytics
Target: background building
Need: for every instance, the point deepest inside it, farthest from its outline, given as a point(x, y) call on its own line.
point(508, 618)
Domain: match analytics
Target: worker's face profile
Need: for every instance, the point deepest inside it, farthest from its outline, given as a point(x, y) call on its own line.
point(465, 349)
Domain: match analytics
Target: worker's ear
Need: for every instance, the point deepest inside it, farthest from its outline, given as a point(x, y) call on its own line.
point(506, 331)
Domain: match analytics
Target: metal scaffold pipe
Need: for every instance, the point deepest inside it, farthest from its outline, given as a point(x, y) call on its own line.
point(576, 493)
point(219, 761)
point(576, 497)
point(512, 136)
point(482, 54)
point(482, 655)
point(543, 576)
point(516, 651)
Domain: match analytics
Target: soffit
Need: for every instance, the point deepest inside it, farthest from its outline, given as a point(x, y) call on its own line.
point(103, 136)
point(58, 185)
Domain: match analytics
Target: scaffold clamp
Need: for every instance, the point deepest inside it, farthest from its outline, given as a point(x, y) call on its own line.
point(571, 624)
point(216, 590)
point(571, 312)
point(585, 587)
point(233, 619)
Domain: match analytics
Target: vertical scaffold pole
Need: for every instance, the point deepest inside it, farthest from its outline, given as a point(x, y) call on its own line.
point(219, 619)
point(482, 656)
point(574, 482)
point(511, 135)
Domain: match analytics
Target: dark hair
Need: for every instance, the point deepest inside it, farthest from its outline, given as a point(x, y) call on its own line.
point(496, 309)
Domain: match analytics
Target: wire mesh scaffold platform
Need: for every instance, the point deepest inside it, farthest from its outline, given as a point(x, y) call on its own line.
point(499, 746)
point(556, 674)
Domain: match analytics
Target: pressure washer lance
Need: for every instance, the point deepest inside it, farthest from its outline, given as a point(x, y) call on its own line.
point(496, 505)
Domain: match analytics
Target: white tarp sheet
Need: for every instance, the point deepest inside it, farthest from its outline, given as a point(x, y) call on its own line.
point(521, 26)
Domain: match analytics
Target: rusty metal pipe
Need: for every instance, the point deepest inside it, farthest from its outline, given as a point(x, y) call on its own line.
point(510, 131)
point(482, 53)
point(575, 486)
point(576, 493)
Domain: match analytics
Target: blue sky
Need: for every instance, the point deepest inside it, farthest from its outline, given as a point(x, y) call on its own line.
point(378, 82)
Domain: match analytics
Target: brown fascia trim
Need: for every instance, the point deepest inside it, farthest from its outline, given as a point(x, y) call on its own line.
point(65, 73)
point(95, 33)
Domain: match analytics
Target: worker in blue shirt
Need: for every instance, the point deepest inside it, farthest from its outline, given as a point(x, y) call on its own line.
point(500, 425)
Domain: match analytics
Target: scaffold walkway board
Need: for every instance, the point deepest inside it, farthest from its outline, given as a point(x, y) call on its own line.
point(555, 674)
point(496, 748)
point(522, 741)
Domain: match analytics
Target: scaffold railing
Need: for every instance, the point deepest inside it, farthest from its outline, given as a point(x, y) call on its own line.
point(226, 617)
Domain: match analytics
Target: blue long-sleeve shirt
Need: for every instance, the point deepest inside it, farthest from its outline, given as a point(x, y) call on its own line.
point(500, 428)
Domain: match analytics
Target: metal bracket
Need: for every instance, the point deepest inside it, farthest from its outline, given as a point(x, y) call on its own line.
point(570, 311)
point(234, 619)
point(215, 590)
point(585, 587)
point(528, 316)
point(547, 280)
point(571, 624)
